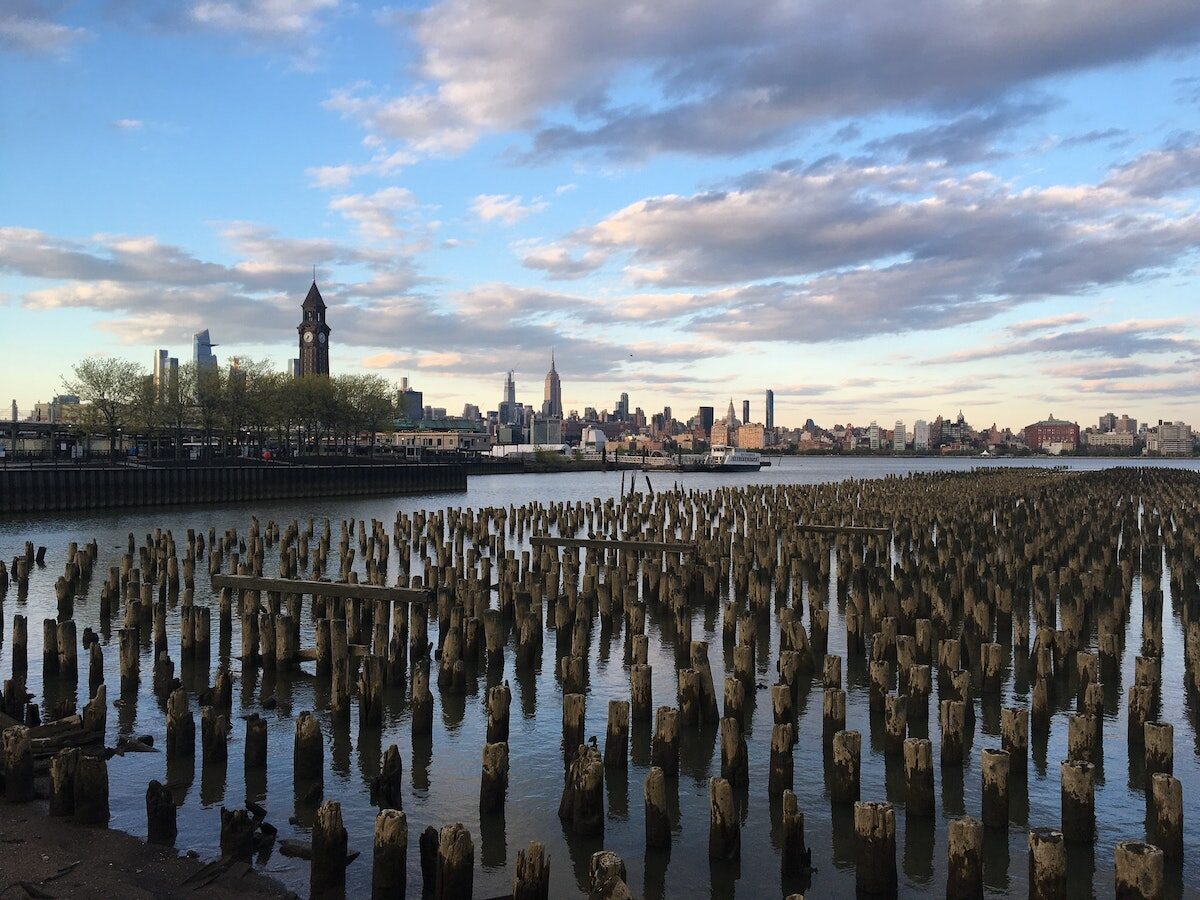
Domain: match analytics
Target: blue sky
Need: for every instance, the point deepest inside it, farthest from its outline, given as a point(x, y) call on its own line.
point(882, 211)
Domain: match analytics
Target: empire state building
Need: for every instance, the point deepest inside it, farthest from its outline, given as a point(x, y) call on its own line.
point(552, 405)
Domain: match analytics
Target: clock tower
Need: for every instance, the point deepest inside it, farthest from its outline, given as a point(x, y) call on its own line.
point(314, 335)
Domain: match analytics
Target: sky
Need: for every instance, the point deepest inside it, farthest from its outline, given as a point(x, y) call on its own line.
point(881, 211)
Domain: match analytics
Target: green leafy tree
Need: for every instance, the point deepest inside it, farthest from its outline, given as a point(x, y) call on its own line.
point(108, 386)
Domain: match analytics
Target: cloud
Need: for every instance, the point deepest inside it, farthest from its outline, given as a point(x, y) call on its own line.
point(30, 27)
point(1045, 324)
point(375, 214)
point(260, 18)
point(1159, 172)
point(970, 137)
point(504, 208)
point(558, 262)
point(726, 78)
point(1118, 340)
point(128, 124)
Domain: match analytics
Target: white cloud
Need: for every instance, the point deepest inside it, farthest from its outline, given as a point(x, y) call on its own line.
point(375, 214)
point(504, 208)
point(28, 26)
point(266, 18)
point(128, 124)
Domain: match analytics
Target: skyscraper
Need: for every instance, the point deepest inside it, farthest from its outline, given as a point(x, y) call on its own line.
point(769, 414)
point(746, 412)
point(731, 420)
point(899, 437)
point(202, 354)
point(552, 405)
point(705, 415)
point(920, 435)
point(314, 334)
point(509, 413)
point(410, 402)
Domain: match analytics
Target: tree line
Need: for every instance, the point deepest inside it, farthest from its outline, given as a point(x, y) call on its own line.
point(248, 405)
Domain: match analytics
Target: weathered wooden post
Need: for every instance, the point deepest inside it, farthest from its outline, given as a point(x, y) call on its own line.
point(1159, 740)
point(724, 828)
point(531, 877)
point(952, 717)
point(918, 777)
point(664, 749)
point(781, 777)
point(389, 861)
point(1078, 801)
point(616, 739)
point(995, 765)
point(161, 826)
point(844, 767)
point(964, 874)
point(573, 724)
point(1014, 738)
point(327, 875)
point(1047, 864)
point(1138, 871)
point(455, 864)
point(875, 830)
point(1165, 814)
point(658, 825)
point(796, 857)
point(18, 765)
point(91, 791)
point(308, 753)
point(499, 699)
point(63, 766)
point(494, 781)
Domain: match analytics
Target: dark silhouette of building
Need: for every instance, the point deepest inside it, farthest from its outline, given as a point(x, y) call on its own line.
point(552, 405)
point(769, 410)
point(746, 412)
point(314, 335)
point(706, 419)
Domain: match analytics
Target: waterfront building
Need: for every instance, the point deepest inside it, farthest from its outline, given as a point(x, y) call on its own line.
point(899, 437)
point(314, 334)
point(874, 436)
point(1119, 439)
point(1040, 435)
point(1126, 425)
point(202, 355)
point(552, 404)
point(920, 435)
point(1170, 439)
point(752, 436)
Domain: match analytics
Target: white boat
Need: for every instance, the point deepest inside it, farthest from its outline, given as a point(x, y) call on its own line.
point(730, 459)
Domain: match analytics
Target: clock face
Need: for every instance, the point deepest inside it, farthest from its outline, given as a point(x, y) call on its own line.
point(321, 338)
point(308, 337)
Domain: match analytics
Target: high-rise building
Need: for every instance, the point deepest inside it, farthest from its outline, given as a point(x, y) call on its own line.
point(746, 412)
point(1040, 435)
point(202, 355)
point(920, 435)
point(1126, 425)
point(314, 334)
point(294, 368)
point(899, 437)
point(409, 403)
point(1108, 422)
point(166, 374)
point(552, 405)
point(875, 436)
point(509, 413)
point(769, 410)
point(705, 415)
point(1170, 439)
point(731, 419)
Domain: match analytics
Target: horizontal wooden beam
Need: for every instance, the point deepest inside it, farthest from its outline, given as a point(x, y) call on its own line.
point(592, 544)
point(843, 529)
point(322, 588)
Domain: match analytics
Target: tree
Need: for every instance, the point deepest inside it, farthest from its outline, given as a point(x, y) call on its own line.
point(108, 385)
point(146, 411)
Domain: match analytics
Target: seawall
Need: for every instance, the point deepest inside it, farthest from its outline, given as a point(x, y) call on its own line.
point(53, 489)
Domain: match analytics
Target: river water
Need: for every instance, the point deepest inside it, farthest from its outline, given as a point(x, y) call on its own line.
point(442, 783)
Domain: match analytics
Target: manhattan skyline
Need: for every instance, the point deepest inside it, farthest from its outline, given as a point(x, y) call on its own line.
point(964, 209)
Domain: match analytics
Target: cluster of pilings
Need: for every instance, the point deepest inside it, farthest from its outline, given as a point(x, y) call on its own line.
point(944, 583)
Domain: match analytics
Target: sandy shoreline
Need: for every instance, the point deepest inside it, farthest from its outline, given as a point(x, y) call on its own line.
point(61, 859)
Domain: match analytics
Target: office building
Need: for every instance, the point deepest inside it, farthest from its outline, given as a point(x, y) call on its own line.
point(509, 413)
point(1052, 431)
point(899, 437)
point(166, 374)
point(705, 419)
point(1170, 439)
point(769, 410)
point(1108, 422)
point(920, 435)
point(875, 436)
point(202, 356)
point(1126, 425)
point(745, 412)
point(409, 403)
point(552, 404)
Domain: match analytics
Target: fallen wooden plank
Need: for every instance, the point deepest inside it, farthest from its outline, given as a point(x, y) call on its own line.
point(322, 588)
point(844, 529)
point(594, 544)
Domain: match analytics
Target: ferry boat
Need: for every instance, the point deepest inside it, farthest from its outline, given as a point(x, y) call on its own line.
point(730, 459)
